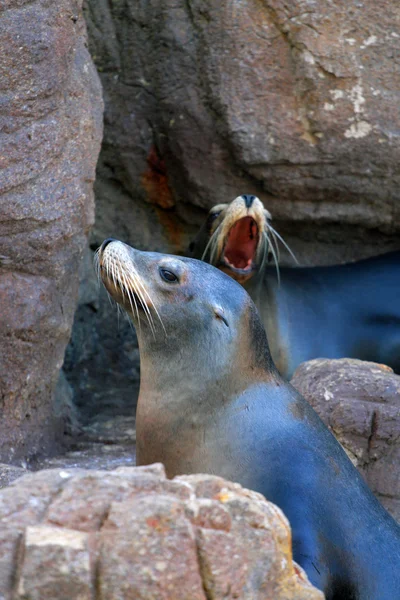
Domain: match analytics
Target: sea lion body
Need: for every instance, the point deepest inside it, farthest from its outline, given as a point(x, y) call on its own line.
point(350, 310)
point(212, 401)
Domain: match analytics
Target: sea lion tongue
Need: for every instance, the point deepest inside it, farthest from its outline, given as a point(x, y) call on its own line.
point(242, 243)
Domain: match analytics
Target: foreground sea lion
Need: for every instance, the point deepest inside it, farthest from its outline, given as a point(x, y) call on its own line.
point(343, 311)
point(211, 401)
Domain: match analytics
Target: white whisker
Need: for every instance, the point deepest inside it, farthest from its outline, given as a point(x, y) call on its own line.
point(282, 241)
point(152, 303)
point(212, 241)
point(138, 287)
point(130, 297)
point(276, 263)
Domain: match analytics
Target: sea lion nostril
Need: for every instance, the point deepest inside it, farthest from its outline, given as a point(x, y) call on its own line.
point(248, 199)
point(105, 244)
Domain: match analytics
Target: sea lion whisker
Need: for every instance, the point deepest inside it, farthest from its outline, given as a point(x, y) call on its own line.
point(130, 298)
point(276, 264)
point(274, 240)
point(97, 268)
point(144, 306)
point(265, 246)
point(262, 248)
point(130, 280)
point(211, 241)
point(213, 252)
point(140, 291)
point(144, 290)
point(282, 241)
point(274, 246)
point(113, 274)
point(96, 262)
point(203, 257)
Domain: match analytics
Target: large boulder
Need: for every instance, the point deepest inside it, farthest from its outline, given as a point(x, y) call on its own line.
point(293, 101)
point(50, 132)
point(133, 534)
point(360, 402)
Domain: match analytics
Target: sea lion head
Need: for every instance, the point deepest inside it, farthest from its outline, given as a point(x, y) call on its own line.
point(238, 238)
point(181, 303)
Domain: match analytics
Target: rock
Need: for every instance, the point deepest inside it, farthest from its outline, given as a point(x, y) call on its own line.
point(50, 131)
point(298, 115)
point(64, 407)
point(360, 402)
point(104, 444)
point(9, 473)
point(133, 534)
point(56, 564)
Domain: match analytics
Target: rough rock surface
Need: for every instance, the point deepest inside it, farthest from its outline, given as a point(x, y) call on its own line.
point(133, 534)
point(9, 473)
point(294, 101)
point(360, 402)
point(50, 131)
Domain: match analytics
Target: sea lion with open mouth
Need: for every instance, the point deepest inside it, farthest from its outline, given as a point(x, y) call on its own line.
point(211, 401)
point(342, 311)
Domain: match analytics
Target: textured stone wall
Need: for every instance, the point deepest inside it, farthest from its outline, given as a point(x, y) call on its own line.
point(50, 132)
point(294, 101)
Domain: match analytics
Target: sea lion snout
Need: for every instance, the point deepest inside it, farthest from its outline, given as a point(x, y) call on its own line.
point(118, 269)
point(248, 199)
point(105, 244)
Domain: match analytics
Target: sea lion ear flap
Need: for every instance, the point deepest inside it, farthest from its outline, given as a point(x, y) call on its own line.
point(218, 208)
point(219, 313)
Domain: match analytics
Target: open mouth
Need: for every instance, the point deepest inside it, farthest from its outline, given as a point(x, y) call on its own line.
point(241, 245)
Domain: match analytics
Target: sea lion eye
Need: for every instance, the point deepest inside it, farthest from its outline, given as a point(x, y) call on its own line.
point(168, 276)
point(212, 216)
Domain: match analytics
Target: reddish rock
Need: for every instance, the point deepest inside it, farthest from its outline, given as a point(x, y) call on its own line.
point(360, 402)
point(50, 131)
point(85, 500)
point(27, 499)
point(143, 537)
point(10, 539)
point(162, 542)
point(55, 564)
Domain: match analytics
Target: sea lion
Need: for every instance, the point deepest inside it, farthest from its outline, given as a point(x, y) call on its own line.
point(342, 311)
point(211, 401)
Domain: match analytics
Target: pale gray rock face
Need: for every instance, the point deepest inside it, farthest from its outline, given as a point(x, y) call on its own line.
point(50, 133)
point(135, 535)
point(295, 102)
point(360, 402)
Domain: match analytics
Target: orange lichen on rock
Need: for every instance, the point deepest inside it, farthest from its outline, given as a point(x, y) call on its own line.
point(155, 181)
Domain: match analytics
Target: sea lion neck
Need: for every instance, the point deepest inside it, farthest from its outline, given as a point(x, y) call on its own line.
point(231, 361)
